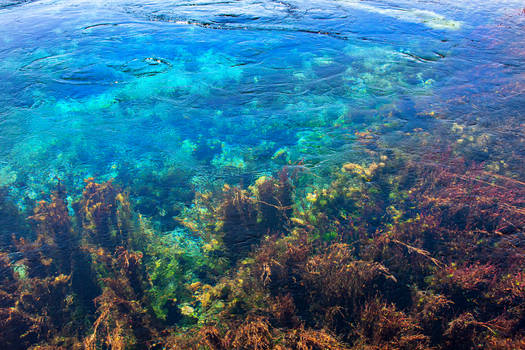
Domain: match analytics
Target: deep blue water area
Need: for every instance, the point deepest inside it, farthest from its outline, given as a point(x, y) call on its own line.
point(231, 90)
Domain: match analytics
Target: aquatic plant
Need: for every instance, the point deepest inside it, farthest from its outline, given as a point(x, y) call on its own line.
point(12, 221)
point(396, 221)
point(471, 198)
point(173, 268)
point(56, 241)
point(274, 201)
point(235, 220)
point(122, 320)
point(382, 326)
point(14, 322)
point(35, 309)
point(238, 225)
point(370, 261)
point(160, 194)
point(104, 214)
point(338, 286)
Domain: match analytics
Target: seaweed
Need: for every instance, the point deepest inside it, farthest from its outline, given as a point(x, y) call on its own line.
point(383, 326)
point(104, 213)
point(338, 286)
point(396, 254)
point(123, 322)
point(238, 222)
point(56, 241)
point(160, 194)
point(12, 221)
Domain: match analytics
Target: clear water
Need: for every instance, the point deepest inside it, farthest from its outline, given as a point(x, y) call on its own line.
point(229, 90)
point(183, 103)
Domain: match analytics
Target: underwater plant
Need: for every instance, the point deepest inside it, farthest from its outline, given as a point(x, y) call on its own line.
point(55, 242)
point(235, 220)
point(389, 255)
point(122, 320)
point(104, 214)
point(12, 221)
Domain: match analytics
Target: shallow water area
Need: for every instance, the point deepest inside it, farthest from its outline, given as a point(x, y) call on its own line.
point(225, 85)
point(184, 104)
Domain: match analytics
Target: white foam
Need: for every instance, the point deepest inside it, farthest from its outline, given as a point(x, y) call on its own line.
point(428, 18)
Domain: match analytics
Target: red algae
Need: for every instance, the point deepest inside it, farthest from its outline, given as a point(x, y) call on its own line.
point(405, 266)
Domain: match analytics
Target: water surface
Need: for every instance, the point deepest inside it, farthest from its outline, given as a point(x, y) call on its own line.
point(232, 88)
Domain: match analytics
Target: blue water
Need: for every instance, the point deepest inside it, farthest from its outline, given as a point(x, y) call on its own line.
point(225, 91)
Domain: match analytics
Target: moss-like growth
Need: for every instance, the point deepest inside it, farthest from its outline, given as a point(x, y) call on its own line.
point(104, 214)
point(384, 257)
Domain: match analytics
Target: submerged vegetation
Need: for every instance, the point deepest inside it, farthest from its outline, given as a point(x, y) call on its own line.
point(393, 254)
point(262, 175)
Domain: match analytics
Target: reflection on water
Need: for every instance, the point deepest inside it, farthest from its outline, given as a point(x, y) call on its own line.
point(217, 123)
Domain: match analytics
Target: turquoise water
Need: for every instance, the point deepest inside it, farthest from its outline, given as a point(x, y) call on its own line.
point(261, 139)
point(228, 91)
point(235, 89)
